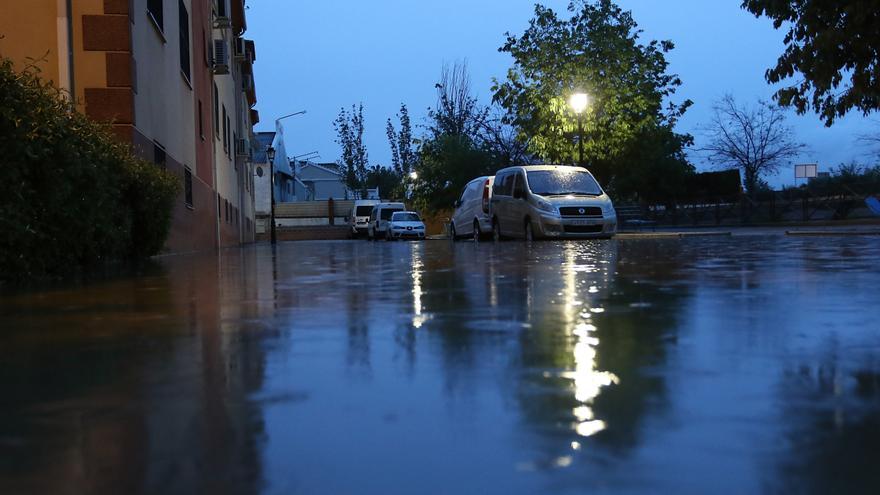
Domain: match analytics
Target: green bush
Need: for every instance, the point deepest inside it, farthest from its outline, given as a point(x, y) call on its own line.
point(70, 196)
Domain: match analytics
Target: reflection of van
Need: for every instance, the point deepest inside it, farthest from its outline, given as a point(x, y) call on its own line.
point(380, 217)
point(471, 217)
point(550, 201)
point(359, 218)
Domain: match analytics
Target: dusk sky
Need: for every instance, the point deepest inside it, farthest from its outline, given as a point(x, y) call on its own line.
point(321, 56)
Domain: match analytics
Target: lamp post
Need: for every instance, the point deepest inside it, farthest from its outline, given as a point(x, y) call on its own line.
point(270, 154)
point(578, 102)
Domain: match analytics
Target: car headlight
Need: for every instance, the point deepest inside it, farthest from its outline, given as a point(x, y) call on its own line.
point(544, 205)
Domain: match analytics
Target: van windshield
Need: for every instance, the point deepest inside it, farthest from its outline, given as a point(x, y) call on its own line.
point(364, 211)
point(405, 217)
point(387, 212)
point(563, 183)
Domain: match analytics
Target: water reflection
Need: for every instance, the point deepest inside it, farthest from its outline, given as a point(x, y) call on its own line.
point(355, 367)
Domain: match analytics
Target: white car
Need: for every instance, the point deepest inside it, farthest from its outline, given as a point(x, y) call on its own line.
point(359, 218)
point(380, 217)
point(405, 225)
point(471, 217)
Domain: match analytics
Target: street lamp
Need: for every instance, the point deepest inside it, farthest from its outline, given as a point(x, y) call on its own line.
point(270, 154)
point(579, 102)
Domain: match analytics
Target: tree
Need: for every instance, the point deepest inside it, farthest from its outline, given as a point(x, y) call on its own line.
point(447, 164)
point(834, 47)
point(503, 141)
point(403, 154)
point(386, 179)
point(754, 139)
point(597, 50)
point(451, 155)
point(350, 136)
point(457, 112)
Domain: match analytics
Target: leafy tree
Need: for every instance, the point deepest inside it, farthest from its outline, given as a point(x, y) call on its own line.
point(754, 139)
point(834, 49)
point(447, 164)
point(349, 128)
point(506, 145)
point(403, 153)
point(596, 50)
point(386, 179)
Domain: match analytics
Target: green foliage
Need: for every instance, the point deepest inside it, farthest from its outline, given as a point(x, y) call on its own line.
point(404, 155)
point(655, 170)
point(833, 49)
point(848, 178)
point(597, 51)
point(70, 196)
point(447, 164)
point(350, 136)
point(387, 179)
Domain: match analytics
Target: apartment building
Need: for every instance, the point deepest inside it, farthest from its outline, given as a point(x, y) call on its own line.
point(174, 78)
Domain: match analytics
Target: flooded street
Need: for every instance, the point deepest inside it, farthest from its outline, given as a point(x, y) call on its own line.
point(722, 365)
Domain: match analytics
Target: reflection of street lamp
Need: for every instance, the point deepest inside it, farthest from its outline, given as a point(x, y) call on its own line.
point(270, 154)
point(578, 102)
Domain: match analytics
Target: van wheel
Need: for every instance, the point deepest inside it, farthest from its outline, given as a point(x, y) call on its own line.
point(529, 233)
point(496, 231)
point(452, 233)
point(477, 233)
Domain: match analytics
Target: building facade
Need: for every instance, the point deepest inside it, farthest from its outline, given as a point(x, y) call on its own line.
point(175, 80)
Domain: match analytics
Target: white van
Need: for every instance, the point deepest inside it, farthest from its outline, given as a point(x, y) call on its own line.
point(471, 217)
point(550, 201)
point(380, 218)
point(359, 218)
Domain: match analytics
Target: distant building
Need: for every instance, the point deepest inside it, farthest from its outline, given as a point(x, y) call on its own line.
point(174, 78)
point(320, 181)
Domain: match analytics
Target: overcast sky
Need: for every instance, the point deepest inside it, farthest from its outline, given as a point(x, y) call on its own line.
point(319, 56)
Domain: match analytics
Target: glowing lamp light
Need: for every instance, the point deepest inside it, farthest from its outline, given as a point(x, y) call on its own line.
point(579, 102)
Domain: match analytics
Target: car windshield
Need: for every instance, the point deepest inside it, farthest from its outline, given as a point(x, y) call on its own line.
point(387, 212)
point(364, 211)
point(405, 217)
point(563, 182)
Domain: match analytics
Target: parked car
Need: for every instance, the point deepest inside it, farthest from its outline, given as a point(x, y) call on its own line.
point(471, 217)
point(552, 201)
point(359, 218)
point(405, 225)
point(380, 217)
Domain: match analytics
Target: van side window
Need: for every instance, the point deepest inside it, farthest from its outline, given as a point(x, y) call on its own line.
point(503, 185)
point(520, 187)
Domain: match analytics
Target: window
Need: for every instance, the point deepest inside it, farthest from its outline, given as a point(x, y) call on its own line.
point(503, 185)
point(221, 8)
point(559, 182)
point(225, 130)
point(159, 154)
point(183, 21)
point(228, 136)
point(188, 186)
point(154, 8)
point(201, 122)
point(219, 208)
point(207, 44)
point(216, 110)
point(226, 201)
point(235, 141)
point(519, 190)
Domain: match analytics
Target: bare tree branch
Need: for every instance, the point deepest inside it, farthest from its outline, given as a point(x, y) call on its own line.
point(754, 139)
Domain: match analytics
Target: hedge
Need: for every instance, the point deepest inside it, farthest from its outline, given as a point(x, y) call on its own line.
point(71, 197)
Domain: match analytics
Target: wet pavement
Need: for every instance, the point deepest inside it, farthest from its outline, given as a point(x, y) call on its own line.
point(694, 365)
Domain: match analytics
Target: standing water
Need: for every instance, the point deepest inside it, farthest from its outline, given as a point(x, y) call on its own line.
point(735, 365)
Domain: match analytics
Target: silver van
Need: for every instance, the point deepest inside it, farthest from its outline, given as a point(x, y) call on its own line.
point(471, 217)
point(554, 201)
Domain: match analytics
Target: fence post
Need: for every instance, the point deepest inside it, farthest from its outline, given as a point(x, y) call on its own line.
point(330, 211)
point(805, 205)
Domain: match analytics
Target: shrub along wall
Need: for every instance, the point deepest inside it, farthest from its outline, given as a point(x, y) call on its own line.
point(70, 196)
